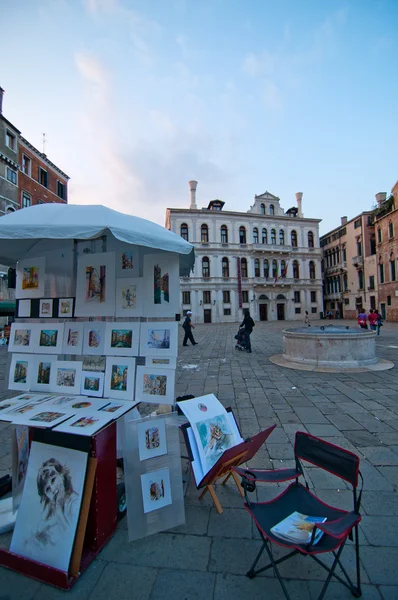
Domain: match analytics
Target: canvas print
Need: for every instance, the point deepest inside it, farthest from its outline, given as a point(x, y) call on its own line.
point(92, 384)
point(50, 338)
point(122, 338)
point(50, 505)
point(151, 438)
point(162, 285)
point(30, 278)
point(73, 338)
point(20, 372)
point(65, 307)
point(46, 308)
point(22, 337)
point(94, 338)
point(119, 377)
point(66, 377)
point(155, 385)
point(159, 339)
point(85, 423)
point(24, 307)
point(156, 490)
point(129, 297)
point(95, 289)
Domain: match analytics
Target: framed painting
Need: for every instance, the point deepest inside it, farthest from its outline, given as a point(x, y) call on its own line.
point(122, 339)
point(85, 423)
point(30, 278)
point(41, 372)
point(50, 505)
point(161, 285)
point(152, 438)
point(66, 377)
point(116, 408)
point(94, 338)
point(50, 338)
point(95, 288)
point(156, 489)
point(159, 338)
point(73, 338)
point(169, 362)
point(154, 385)
point(92, 384)
point(119, 377)
point(24, 308)
point(22, 337)
point(21, 368)
point(46, 308)
point(65, 308)
point(127, 261)
point(129, 297)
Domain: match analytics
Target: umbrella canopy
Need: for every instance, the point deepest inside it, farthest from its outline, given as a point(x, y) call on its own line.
point(21, 230)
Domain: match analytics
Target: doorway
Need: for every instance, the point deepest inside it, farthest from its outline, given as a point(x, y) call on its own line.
point(263, 312)
point(207, 315)
point(280, 311)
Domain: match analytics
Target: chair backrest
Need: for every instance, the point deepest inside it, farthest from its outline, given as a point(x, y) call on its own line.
point(336, 460)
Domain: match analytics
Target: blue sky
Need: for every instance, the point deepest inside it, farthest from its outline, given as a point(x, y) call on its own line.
point(139, 96)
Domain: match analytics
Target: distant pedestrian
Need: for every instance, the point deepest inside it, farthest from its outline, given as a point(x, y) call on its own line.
point(187, 326)
point(379, 322)
point(362, 318)
point(307, 319)
point(248, 324)
point(373, 318)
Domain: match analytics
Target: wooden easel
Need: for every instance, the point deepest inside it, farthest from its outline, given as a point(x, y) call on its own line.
point(225, 470)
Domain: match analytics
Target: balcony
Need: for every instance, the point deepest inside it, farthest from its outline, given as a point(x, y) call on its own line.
point(357, 261)
point(277, 248)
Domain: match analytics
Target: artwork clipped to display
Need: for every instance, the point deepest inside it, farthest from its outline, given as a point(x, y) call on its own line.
point(169, 362)
point(159, 338)
point(161, 285)
point(48, 515)
point(65, 308)
point(119, 378)
point(122, 339)
point(129, 298)
point(66, 377)
point(20, 372)
point(46, 308)
point(92, 384)
point(22, 337)
point(94, 338)
point(95, 288)
point(30, 278)
point(24, 308)
point(156, 489)
point(127, 261)
point(50, 338)
point(155, 385)
point(152, 438)
point(73, 338)
point(41, 374)
point(85, 423)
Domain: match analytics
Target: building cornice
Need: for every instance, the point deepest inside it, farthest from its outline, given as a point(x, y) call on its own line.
point(24, 143)
point(203, 213)
point(2, 117)
point(362, 214)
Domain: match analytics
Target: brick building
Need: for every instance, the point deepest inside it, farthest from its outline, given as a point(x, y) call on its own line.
point(9, 142)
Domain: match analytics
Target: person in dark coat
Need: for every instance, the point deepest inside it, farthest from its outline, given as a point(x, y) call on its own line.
point(187, 326)
point(248, 324)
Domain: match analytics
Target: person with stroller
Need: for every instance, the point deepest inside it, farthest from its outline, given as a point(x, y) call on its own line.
point(248, 324)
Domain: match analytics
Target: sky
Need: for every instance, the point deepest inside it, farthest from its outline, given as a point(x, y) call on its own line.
point(137, 97)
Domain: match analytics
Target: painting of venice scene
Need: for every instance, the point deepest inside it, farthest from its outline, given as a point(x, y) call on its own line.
point(111, 407)
point(95, 284)
point(84, 422)
point(66, 377)
point(119, 378)
point(47, 417)
point(92, 384)
point(94, 338)
point(161, 286)
point(129, 296)
point(43, 373)
point(158, 338)
point(21, 410)
point(127, 261)
point(155, 385)
point(152, 438)
point(48, 338)
point(156, 490)
point(215, 437)
point(121, 338)
point(65, 307)
point(73, 337)
point(22, 337)
point(20, 371)
point(30, 278)
point(46, 308)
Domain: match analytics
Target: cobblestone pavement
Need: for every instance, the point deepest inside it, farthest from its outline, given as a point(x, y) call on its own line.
point(208, 557)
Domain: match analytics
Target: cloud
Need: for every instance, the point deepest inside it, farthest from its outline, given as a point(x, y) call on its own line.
point(92, 71)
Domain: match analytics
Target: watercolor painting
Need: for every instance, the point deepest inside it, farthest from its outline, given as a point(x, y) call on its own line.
point(46, 308)
point(21, 410)
point(43, 373)
point(22, 337)
point(92, 384)
point(128, 295)
point(61, 400)
point(94, 338)
point(119, 378)
point(21, 371)
point(95, 283)
point(151, 438)
point(30, 278)
point(65, 307)
point(85, 422)
point(94, 363)
point(155, 385)
point(160, 286)
point(66, 377)
point(48, 338)
point(121, 338)
point(47, 417)
point(216, 436)
point(112, 407)
point(127, 261)
point(156, 490)
point(158, 338)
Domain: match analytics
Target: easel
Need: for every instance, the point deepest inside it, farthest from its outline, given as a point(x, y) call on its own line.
point(225, 470)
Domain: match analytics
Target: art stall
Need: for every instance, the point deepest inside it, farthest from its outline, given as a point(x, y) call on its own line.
point(95, 336)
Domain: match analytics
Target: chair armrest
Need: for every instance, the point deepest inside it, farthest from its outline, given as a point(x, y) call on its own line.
point(340, 528)
point(267, 475)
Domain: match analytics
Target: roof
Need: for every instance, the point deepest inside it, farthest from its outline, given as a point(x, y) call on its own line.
point(42, 156)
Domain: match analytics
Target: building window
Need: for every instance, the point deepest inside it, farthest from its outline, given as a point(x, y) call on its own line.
point(204, 234)
point(225, 267)
point(11, 176)
point(293, 237)
point(256, 267)
point(205, 267)
point(274, 269)
point(243, 267)
point(43, 177)
point(264, 236)
point(359, 248)
point(381, 273)
point(61, 190)
point(314, 309)
point(227, 312)
point(388, 300)
point(266, 268)
point(207, 297)
point(371, 282)
point(224, 234)
point(245, 296)
point(226, 297)
point(297, 310)
point(392, 270)
point(255, 235)
point(312, 269)
point(313, 296)
point(184, 231)
point(297, 296)
point(379, 235)
point(271, 210)
point(296, 270)
point(281, 237)
point(262, 209)
point(345, 282)
point(273, 237)
point(26, 165)
point(357, 223)
point(283, 268)
point(310, 239)
point(373, 302)
point(344, 254)
point(186, 297)
point(242, 235)
point(360, 280)
point(11, 141)
point(390, 230)
point(26, 200)
point(372, 242)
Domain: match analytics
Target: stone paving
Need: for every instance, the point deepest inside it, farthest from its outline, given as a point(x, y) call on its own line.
point(208, 557)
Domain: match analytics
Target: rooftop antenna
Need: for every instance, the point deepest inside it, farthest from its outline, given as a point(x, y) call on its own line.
point(44, 143)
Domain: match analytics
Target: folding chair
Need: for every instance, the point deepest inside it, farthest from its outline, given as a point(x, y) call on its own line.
point(339, 526)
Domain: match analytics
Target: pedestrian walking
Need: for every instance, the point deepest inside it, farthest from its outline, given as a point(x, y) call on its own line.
point(248, 324)
point(307, 319)
point(362, 318)
point(373, 318)
point(379, 322)
point(187, 326)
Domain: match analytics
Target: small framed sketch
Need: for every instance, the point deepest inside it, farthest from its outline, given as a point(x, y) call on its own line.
point(156, 489)
point(116, 407)
point(22, 337)
point(119, 377)
point(129, 297)
point(127, 261)
point(41, 372)
point(46, 308)
point(50, 338)
point(122, 339)
point(24, 307)
point(159, 338)
point(161, 285)
point(85, 423)
point(155, 385)
point(73, 338)
point(20, 372)
point(94, 338)
point(65, 308)
point(30, 278)
point(151, 438)
point(169, 362)
point(95, 287)
point(66, 377)
point(92, 384)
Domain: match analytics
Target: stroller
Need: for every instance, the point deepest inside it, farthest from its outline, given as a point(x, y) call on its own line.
point(240, 339)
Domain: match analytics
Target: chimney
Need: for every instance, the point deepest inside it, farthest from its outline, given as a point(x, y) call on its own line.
point(299, 198)
point(381, 197)
point(344, 220)
point(192, 187)
point(1, 100)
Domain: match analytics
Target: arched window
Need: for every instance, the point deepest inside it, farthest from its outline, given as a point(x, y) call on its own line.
point(264, 236)
point(296, 270)
point(205, 267)
point(242, 235)
point(256, 267)
point(390, 230)
point(266, 268)
point(281, 237)
point(273, 236)
point(293, 237)
point(310, 239)
point(184, 231)
point(312, 269)
point(262, 209)
point(204, 234)
point(255, 235)
point(274, 269)
point(271, 209)
point(224, 234)
point(283, 268)
point(243, 267)
point(225, 267)
point(379, 238)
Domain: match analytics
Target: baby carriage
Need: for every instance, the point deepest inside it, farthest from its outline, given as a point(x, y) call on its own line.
point(240, 339)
